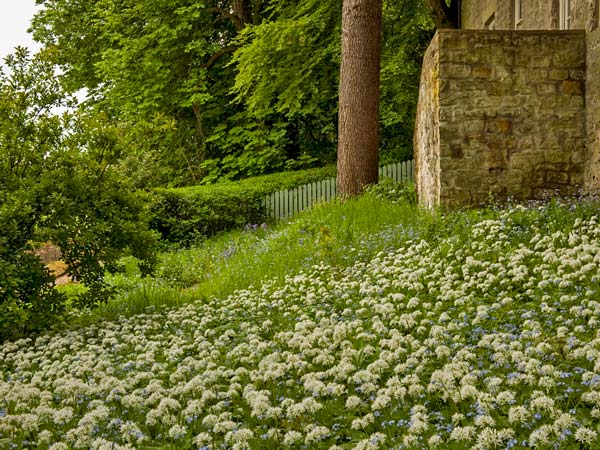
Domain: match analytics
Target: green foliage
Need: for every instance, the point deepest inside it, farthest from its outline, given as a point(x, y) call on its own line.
point(27, 142)
point(407, 31)
point(56, 183)
point(161, 72)
point(185, 215)
point(336, 233)
point(289, 64)
point(388, 189)
point(199, 91)
point(288, 67)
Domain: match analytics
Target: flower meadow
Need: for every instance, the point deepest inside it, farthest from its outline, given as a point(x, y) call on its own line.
point(488, 339)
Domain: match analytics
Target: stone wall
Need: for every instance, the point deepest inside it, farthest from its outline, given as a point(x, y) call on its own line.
point(504, 14)
point(427, 135)
point(592, 172)
point(537, 14)
point(511, 115)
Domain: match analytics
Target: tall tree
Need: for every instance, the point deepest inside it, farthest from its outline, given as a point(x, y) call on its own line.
point(226, 88)
point(358, 117)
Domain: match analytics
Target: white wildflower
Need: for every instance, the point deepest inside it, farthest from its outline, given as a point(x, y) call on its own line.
point(586, 435)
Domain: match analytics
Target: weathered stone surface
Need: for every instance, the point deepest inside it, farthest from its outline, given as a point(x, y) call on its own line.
point(515, 114)
point(482, 71)
point(558, 74)
point(513, 128)
point(592, 166)
point(536, 14)
point(569, 87)
point(427, 129)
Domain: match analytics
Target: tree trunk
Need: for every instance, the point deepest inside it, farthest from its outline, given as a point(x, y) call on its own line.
point(242, 12)
point(445, 16)
point(200, 144)
point(358, 127)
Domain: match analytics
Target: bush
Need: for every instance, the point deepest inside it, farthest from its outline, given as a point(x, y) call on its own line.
point(183, 215)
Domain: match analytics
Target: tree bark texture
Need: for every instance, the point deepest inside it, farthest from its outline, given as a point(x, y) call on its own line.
point(358, 127)
point(242, 12)
point(444, 15)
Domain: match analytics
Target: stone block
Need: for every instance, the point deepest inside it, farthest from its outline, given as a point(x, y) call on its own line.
point(481, 71)
point(577, 74)
point(525, 161)
point(501, 125)
point(546, 89)
point(540, 61)
point(569, 58)
point(496, 157)
point(503, 183)
point(450, 164)
point(537, 177)
point(556, 178)
point(532, 59)
point(576, 176)
point(448, 114)
point(567, 103)
point(499, 88)
point(455, 42)
point(503, 71)
point(572, 87)
point(472, 128)
point(557, 156)
point(509, 102)
point(558, 74)
point(525, 77)
point(580, 156)
point(454, 70)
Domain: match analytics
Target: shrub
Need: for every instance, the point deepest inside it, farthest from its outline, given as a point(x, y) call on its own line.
point(183, 215)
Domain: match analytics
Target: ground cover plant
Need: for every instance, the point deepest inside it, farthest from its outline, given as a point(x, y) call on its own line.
point(477, 330)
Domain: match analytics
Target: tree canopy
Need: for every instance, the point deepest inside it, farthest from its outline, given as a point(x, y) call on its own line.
point(195, 91)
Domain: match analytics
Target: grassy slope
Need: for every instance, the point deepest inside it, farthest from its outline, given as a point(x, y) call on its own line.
point(471, 330)
point(335, 233)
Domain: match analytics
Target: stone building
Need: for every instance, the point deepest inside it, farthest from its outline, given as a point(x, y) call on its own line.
point(509, 105)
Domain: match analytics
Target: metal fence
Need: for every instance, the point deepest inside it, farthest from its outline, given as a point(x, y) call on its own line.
point(285, 204)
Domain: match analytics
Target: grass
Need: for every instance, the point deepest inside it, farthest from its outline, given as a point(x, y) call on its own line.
point(336, 233)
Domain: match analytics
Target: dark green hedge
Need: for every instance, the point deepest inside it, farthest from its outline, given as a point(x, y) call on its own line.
point(183, 215)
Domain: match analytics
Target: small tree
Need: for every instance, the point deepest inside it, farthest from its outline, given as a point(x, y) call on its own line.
point(56, 182)
point(358, 127)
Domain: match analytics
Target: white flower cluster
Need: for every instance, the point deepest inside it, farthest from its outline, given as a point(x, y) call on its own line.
point(486, 342)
